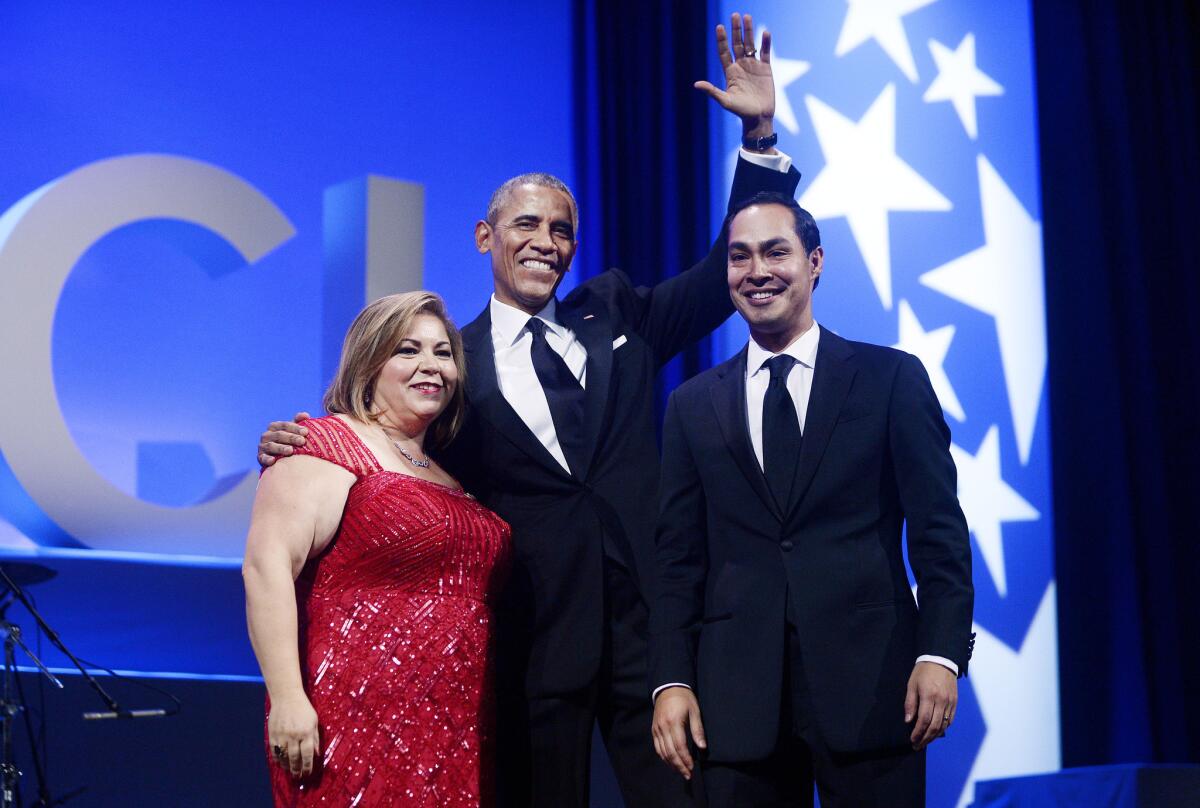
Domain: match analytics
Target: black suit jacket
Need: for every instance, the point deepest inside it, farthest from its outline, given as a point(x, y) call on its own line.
point(553, 612)
point(875, 456)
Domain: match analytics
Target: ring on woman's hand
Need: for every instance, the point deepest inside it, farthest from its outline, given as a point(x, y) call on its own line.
point(749, 54)
point(279, 751)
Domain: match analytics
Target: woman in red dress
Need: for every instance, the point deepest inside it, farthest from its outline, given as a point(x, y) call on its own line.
point(368, 574)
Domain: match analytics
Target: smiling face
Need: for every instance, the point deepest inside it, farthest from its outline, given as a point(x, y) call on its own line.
point(419, 381)
point(771, 275)
point(532, 242)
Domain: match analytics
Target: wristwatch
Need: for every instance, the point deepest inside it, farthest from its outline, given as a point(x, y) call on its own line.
point(760, 143)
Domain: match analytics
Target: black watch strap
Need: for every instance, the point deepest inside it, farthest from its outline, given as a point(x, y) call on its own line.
point(761, 143)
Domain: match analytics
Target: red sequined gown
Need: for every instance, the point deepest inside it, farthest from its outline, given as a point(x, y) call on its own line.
point(394, 640)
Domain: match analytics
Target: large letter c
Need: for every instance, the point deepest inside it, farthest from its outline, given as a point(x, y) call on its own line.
point(42, 237)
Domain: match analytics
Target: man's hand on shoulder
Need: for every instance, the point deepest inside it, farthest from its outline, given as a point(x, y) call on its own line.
point(932, 700)
point(675, 711)
point(749, 84)
point(279, 439)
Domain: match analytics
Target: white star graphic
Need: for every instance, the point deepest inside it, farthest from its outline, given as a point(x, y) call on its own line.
point(930, 347)
point(959, 81)
point(987, 501)
point(1003, 278)
point(863, 179)
point(1018, 696)
point(785, 72)
point(880, 20)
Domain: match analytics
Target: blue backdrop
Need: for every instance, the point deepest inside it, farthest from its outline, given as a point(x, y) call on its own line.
point(168, 353)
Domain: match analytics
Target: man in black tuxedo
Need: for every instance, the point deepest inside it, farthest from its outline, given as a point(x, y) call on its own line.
point(560, 441)
point(784, 635)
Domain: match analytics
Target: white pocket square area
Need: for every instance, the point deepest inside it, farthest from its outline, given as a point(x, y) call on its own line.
point(618, 342)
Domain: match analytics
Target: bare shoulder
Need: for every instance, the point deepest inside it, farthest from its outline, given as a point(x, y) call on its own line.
point(302, 474)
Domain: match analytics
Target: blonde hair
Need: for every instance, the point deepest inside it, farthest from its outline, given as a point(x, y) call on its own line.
point(373, 339)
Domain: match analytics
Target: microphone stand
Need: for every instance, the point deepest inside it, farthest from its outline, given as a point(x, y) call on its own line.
point(52, 635)
point(9, 773)
point(9, 707)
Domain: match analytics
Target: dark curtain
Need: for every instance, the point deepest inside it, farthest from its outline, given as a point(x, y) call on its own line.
point(1117, 90)
point(642, 154)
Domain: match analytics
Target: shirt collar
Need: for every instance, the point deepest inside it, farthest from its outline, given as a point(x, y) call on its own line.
point(803, 349)
point(508, 322)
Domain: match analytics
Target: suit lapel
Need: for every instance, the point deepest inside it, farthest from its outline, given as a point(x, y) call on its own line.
point(729, 401)
point(592, 328)
point(485, 396)
point(831, 382)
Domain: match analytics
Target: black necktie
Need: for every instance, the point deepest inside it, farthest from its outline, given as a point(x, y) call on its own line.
point(780, 432)
point(564, 394)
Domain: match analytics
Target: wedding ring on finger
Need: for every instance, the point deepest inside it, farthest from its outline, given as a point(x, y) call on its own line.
point(749, 54)
point(279, 751)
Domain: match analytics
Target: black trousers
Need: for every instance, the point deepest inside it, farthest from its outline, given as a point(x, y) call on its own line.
point(800, 760)
point(545, 744)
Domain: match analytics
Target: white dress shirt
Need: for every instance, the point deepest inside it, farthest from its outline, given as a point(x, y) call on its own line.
point(778, 161)
point(799, 381)
point(518, 381)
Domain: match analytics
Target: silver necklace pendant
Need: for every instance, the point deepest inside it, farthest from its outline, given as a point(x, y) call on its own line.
point(421, 464)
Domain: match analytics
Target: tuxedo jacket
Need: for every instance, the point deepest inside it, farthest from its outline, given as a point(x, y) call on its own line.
point(874, 458)
point(563, 525)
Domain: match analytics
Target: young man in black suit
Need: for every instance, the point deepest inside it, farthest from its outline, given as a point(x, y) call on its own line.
point(784, 637)
point(560, 441)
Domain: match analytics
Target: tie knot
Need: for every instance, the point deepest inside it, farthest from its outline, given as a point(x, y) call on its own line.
point(780, 366)
point(536, 327)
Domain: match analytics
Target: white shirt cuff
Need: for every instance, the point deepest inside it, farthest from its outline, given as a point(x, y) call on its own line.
point(661, 688)
point(945, 663)
point(778, 161)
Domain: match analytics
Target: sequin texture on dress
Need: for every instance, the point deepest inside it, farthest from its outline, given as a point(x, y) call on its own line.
point(394, 636)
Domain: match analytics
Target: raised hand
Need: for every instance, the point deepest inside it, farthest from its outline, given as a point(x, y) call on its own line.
point(749, 84)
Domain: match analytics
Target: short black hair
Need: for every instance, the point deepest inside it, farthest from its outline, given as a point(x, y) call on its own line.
point(501, 195)
point(804, 224)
